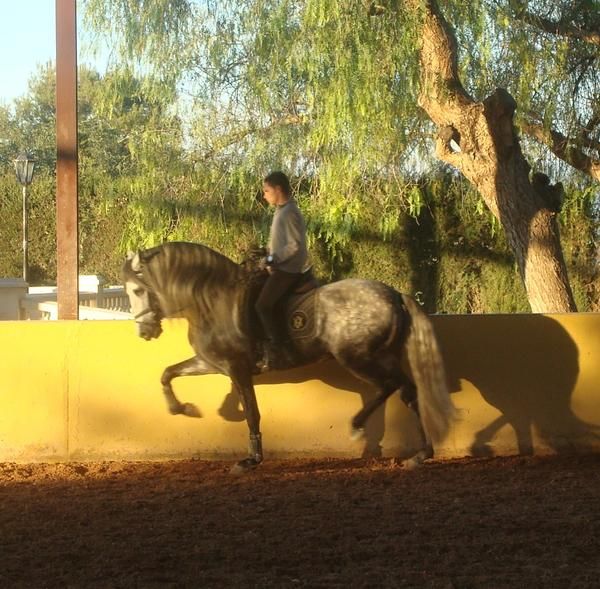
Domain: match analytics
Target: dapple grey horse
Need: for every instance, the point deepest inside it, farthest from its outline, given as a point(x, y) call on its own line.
point(367, 326)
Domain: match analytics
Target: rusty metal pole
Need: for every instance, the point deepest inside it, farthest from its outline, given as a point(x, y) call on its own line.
point(67, 233)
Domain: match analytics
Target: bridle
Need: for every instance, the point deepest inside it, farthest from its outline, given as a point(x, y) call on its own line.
point(153, 307)
point(144, 312)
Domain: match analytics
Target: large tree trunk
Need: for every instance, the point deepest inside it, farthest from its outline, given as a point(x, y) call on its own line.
point(479, 139)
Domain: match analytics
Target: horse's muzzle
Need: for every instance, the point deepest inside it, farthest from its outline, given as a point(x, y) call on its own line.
point(149, 330)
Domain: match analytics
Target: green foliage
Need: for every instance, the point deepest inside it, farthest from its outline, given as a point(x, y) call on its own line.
point(580, 229)
point(130, 156)
point(156, 32)
point(540, 55)
point(326, 90)
point(448, 257)
point(41, 227)
point(270, 90)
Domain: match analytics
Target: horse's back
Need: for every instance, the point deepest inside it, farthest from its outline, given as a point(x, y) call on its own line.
point(357, 310)
point(358, 292)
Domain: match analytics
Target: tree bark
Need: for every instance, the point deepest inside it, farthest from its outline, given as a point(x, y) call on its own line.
point(480, 140)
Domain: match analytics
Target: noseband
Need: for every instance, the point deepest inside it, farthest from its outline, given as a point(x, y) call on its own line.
point(153, 307)
point(143, 312)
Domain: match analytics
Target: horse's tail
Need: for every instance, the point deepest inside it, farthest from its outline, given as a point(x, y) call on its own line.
point(427, 366)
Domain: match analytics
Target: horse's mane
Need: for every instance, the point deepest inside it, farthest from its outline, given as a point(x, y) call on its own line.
point(191, 279)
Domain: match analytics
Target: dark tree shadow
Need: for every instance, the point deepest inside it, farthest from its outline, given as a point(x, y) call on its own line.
point(423, 252)
point(526, 367)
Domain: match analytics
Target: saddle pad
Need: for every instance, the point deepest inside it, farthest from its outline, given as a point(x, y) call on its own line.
point(300, 315)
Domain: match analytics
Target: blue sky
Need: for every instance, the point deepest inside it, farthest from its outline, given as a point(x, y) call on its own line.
point(27, 38)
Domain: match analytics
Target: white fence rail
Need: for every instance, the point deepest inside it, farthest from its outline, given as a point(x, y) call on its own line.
point(96, 301)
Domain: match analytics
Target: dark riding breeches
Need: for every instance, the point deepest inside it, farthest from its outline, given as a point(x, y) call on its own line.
point(277, 285)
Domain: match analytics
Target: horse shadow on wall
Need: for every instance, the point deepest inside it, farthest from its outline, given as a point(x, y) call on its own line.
point(527, 370)
point(337, 378)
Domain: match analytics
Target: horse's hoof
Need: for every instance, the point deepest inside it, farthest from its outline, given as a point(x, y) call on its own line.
point(190, 410)
point(418, 459)
point(481, 451)
point(372, 452)
point(357, 433)
point(413, 463)
point(244, 466)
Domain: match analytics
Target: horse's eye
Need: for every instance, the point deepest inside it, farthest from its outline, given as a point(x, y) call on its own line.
point(138, 292)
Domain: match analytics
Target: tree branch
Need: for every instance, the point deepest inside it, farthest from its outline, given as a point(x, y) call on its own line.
point(564, 147)
point(230, 139)
point(563, 27)
point(439, 65)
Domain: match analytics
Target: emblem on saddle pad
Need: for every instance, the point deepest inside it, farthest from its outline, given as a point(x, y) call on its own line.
point(298, 320)
point(300, 315)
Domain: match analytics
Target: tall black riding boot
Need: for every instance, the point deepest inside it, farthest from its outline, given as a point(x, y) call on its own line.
point(275, 356)
point(271, 355)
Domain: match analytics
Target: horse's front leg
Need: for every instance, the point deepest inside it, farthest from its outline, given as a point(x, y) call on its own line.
point(191, 367)
point(245, 389)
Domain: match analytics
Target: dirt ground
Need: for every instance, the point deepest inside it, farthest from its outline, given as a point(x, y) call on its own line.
point(516, 522)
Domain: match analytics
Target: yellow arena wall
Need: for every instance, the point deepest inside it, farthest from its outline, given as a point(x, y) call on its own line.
point(90, 390)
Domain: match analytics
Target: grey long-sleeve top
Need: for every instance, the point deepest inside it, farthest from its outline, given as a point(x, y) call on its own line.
point(287, 239)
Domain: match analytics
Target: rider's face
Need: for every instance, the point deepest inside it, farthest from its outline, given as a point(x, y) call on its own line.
point(272, 194)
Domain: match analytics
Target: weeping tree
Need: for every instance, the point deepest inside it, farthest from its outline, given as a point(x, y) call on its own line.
point(129, 151)
point(351, 96)
point(479, 138)
point(558, 97)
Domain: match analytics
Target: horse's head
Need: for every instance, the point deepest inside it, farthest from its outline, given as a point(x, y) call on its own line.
point(144, 303)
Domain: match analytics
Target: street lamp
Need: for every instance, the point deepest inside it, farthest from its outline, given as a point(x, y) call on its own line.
point(24, 165)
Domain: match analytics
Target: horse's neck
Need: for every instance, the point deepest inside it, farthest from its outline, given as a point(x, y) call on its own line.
point(201, 294)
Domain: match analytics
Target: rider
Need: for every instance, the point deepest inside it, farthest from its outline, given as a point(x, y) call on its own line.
point(287, 259)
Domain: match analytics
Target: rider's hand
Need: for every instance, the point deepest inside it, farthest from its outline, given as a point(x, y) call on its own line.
point(256, 253)
point(267, 263)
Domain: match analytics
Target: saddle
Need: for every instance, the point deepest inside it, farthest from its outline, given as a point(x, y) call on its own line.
point(297, 309)
point(295, 312)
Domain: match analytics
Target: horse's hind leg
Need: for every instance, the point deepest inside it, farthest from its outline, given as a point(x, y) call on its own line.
point(388, 377)
point(359, 420)
point(191, 367)
point(377, 374)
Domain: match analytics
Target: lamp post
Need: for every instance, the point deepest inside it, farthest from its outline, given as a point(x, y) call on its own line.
point(24, 165)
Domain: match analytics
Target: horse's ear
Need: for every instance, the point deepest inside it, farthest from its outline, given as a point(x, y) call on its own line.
point(136, 263)
point(146, 255)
